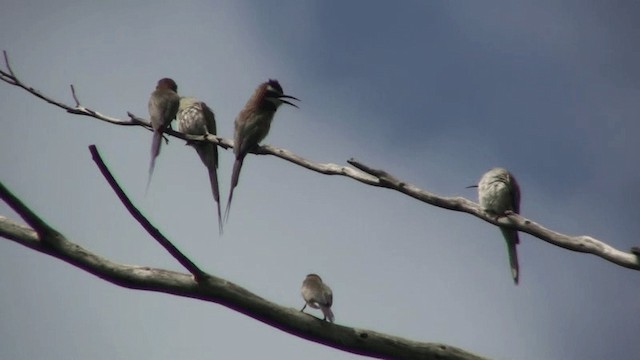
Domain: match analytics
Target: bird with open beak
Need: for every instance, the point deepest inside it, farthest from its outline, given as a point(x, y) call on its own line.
point(499, 194)
point(252, 125)
point(317, 295)
point(163, 106)
point(196, 118)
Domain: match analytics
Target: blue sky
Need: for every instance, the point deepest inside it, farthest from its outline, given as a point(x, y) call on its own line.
point(434, 92)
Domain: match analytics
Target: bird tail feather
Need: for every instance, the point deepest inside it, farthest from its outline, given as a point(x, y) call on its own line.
point(207, 155)
point(512, 238)
point(327, 313)
point(234, 182)
point(155, 151)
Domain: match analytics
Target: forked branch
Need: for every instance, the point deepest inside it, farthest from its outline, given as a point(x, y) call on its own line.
point(213, 289)
point(146, 224)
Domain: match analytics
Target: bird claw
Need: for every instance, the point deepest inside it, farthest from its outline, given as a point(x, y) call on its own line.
point(493, 215)
point(506, 213)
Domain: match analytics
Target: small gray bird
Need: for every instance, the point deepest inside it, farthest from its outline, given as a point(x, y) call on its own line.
point(163, 106)
point(317, 295)
point(196, 118)
point(498, 193)
point(252, 125)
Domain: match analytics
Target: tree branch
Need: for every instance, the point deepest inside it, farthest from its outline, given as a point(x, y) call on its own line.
point(10, 77)
point(45, 232)
point(374, 177)
point(582, 243)
point(146, 224)
point(41, 237)
point(220, 291)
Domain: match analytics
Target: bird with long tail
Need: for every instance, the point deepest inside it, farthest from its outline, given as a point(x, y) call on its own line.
point(163, 106)
point(196, 118)
point(252, 125)
point(498, 194)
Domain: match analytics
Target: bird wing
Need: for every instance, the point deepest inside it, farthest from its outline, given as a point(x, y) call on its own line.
point(163, 106)
point(328, 296)
point(210, 123)
point(155, 109)
point(515, 194)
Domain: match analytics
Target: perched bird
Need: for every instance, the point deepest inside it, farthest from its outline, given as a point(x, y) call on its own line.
point(317, 295)
point(163, 106)
point(499, 193)
point(252, 125)
point(196, 118)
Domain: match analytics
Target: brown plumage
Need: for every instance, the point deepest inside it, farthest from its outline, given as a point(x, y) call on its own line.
point(252, 125)
point(163, 106)
point(317, 295)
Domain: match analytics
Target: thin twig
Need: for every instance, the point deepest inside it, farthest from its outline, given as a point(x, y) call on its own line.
point(73, 93)
point(6, 62)
point(146, 224)
point(10, 78)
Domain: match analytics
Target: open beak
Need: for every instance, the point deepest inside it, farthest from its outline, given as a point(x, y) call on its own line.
point(281, 97)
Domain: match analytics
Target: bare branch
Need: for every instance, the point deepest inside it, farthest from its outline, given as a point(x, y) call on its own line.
point(326, 169)
point(73, 93)
point(220, 291)
point(11, 74)
point(146, 224)
point(378, 178)
point(9, 77)
point(583, 243)
point(45, 232)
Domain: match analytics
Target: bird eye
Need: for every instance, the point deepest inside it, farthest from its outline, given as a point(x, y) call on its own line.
point(274, 85)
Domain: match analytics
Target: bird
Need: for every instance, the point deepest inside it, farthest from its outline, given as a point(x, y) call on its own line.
point(163, 106)
point(196, 118)
point(317, 295)
point(499, 194)
point(252, 125)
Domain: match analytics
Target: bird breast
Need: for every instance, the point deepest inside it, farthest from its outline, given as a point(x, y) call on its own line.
point(494, 196)
point(191, 121)
point(257, 126)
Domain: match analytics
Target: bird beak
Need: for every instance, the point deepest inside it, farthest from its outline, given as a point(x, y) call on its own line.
point(471, 186)
point(281, 97)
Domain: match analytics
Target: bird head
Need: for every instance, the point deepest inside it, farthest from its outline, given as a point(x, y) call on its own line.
point(275, 95)
point(167, 83)
point(314, 277)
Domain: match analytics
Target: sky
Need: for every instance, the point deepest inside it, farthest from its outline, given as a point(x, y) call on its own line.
point(434, 92)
